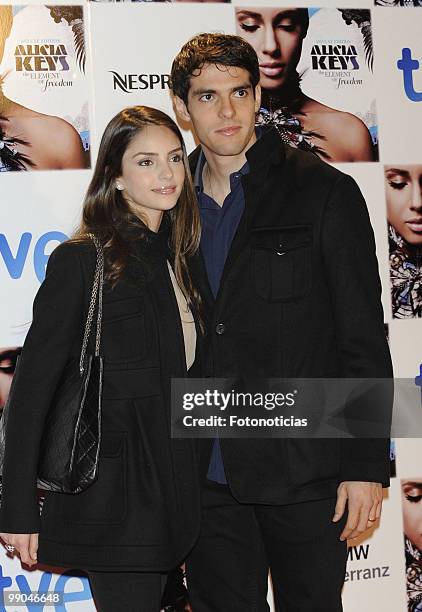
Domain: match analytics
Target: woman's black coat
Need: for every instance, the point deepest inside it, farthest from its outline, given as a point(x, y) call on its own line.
point(142, 512)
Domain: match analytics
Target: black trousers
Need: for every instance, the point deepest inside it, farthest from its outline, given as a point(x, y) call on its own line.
point(227, 571)
point(127, 591)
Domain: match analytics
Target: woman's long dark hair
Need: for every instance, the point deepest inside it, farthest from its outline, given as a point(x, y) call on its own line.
point(107, 214)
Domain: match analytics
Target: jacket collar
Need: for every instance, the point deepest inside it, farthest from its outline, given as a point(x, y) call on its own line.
point(151, 244)
point(267, 151)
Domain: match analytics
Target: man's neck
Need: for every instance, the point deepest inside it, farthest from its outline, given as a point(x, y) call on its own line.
point(218, 168)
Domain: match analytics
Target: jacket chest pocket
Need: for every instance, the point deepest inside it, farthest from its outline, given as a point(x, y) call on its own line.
point(281, 262)
point(124, 331)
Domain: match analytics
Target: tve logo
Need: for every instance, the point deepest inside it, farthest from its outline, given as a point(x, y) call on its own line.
point(418, 380)
point(407, 64)
point(45, 586)
point(15, 262)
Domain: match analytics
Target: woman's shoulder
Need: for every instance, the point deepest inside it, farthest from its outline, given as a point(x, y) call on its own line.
point(73, 249)
point(72, 253)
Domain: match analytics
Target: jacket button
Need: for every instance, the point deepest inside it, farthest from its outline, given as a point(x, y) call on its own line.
point(220, 328)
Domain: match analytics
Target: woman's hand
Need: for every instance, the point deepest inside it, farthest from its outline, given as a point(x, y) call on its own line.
point(25, 544)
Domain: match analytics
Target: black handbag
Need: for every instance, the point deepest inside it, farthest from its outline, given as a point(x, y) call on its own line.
point(70, 444)
point(175, 596)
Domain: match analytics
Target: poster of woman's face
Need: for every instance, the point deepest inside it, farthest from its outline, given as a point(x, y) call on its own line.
point(8, 359)
point(412, 526)
point(276, 35)
point(317, 92)
point(403, 188)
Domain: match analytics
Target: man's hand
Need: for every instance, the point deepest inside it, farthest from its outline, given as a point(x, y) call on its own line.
point(364, 506)
point(25, 544)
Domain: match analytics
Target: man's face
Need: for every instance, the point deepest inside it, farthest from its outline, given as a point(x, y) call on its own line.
point(276, 35)
point(222, 107)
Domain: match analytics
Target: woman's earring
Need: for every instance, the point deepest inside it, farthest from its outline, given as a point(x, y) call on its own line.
point(119, 187)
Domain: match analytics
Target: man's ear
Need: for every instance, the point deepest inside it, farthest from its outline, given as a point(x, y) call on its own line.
point(181, 109)
point(257, 98)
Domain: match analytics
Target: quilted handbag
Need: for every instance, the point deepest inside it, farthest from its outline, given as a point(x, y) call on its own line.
point(70, 444)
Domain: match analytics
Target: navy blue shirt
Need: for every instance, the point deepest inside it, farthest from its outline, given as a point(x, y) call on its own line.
point(219, 225)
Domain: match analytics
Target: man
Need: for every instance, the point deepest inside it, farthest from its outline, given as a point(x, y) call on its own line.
point(290, 257)
point(29, 139)
point(277, 34)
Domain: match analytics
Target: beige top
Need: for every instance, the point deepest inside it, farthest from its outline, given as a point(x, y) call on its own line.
point(186, 317)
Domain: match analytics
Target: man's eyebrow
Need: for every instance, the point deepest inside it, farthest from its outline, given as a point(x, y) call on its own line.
point(151, 153)
point(245, 86)
point(201, 91)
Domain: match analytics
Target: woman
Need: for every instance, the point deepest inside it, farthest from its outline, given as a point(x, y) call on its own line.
point(276, 34)
point(412, 524)
point(140, 518)
point(404, 214)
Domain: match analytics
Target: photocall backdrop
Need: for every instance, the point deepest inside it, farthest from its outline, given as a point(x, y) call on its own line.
point(350, 92)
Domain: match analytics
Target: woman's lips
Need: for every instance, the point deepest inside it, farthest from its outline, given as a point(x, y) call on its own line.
point(271, 69)
point(415, 225)
point(165, 190)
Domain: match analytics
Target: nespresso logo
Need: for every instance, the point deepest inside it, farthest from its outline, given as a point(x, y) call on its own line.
point(133, 82)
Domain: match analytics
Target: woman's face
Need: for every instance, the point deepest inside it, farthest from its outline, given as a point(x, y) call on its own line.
point(412, 510)
point(152, 173)
point(404, 201)
point(7, 369)
point(276, 35)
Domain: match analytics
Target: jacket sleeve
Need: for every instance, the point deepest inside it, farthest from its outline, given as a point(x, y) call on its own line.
point(57, 322)
point(351, 269)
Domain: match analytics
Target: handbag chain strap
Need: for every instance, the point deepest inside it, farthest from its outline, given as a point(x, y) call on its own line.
point(97, 290)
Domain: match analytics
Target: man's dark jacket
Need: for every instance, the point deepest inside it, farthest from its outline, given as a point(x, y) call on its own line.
point(314, 311)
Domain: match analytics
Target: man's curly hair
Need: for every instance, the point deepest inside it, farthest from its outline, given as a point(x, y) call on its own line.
point(211, 48)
